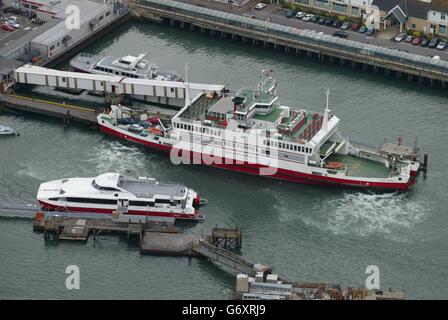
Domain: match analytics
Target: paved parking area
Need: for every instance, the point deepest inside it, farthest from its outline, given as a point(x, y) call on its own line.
point(277, 15)
point(8, 37)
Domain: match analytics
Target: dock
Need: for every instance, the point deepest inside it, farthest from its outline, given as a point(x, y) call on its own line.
point(48, 108)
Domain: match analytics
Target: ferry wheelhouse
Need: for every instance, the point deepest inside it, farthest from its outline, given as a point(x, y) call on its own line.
point(250, 132)
point(127, 66)
point(132, 198)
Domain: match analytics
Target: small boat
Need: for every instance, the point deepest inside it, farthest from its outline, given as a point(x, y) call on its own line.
point(7, 131)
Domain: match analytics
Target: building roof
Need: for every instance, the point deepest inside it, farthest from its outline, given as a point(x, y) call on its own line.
point(398, 13)
point(411, 8)
point(88, 11)
point(439, 5)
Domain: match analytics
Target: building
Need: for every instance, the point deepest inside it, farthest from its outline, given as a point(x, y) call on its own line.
point(60, 33)
point(427, 16)
point(350, 8)
point(93, 15)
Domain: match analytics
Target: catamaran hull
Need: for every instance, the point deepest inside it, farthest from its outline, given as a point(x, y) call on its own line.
point(281, 174)
point(52, 207)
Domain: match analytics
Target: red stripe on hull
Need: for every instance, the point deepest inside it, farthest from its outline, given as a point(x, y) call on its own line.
point(51, 207)
point(281, 174)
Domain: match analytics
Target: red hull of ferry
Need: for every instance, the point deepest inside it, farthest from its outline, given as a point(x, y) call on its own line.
point(281, 174)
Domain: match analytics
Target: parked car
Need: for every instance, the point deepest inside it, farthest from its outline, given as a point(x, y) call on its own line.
point(13, 24)
point(346, 25)
point(400, 37)
point(307, 17)
point(337, 24)
point(315, 19)
point(433, 43)
point(424, 42)
point(416, 41)
point(7, 27)
point(363, 29)
point(340, 34)
point(442, 45)
point(409, 38)
point(291, 13)
point(370, 32)
point(300, 15)
point(260, 6)
point(355, 27)
point(329, 22)
point(321, 21)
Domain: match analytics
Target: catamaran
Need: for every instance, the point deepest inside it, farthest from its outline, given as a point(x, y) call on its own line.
point(250, 132)
point(127, 66)
point(112, 192)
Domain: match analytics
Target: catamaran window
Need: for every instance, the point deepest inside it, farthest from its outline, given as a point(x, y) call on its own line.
point(97, 186)
point(167, 201)
point(295, 148)
point(124, 61)
point(141, 203)
point(91, 200)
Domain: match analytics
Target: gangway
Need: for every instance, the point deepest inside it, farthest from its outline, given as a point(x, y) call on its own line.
point(228, 258)
point(110, 84)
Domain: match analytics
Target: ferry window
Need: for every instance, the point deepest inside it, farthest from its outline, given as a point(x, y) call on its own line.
point(63, 79)
point(311, 150)
point(107, 13)
point(268, 143)
point(123, 73)
point(172, 90)
point(295, 148)
point(306, 150)
point(52, 47)
point(117, 73)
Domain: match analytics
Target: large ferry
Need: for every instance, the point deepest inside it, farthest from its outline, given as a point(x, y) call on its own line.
point(112, 192)
point(250, 132)
point(127, 66)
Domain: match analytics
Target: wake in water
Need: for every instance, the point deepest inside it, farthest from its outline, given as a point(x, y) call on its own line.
point(355, 212)
point(366, 213)
point(113, 156)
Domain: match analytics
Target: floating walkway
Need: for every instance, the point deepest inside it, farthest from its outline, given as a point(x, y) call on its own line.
point(108, 84)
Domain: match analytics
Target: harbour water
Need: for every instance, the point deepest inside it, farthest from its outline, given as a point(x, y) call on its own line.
point(305, 233)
